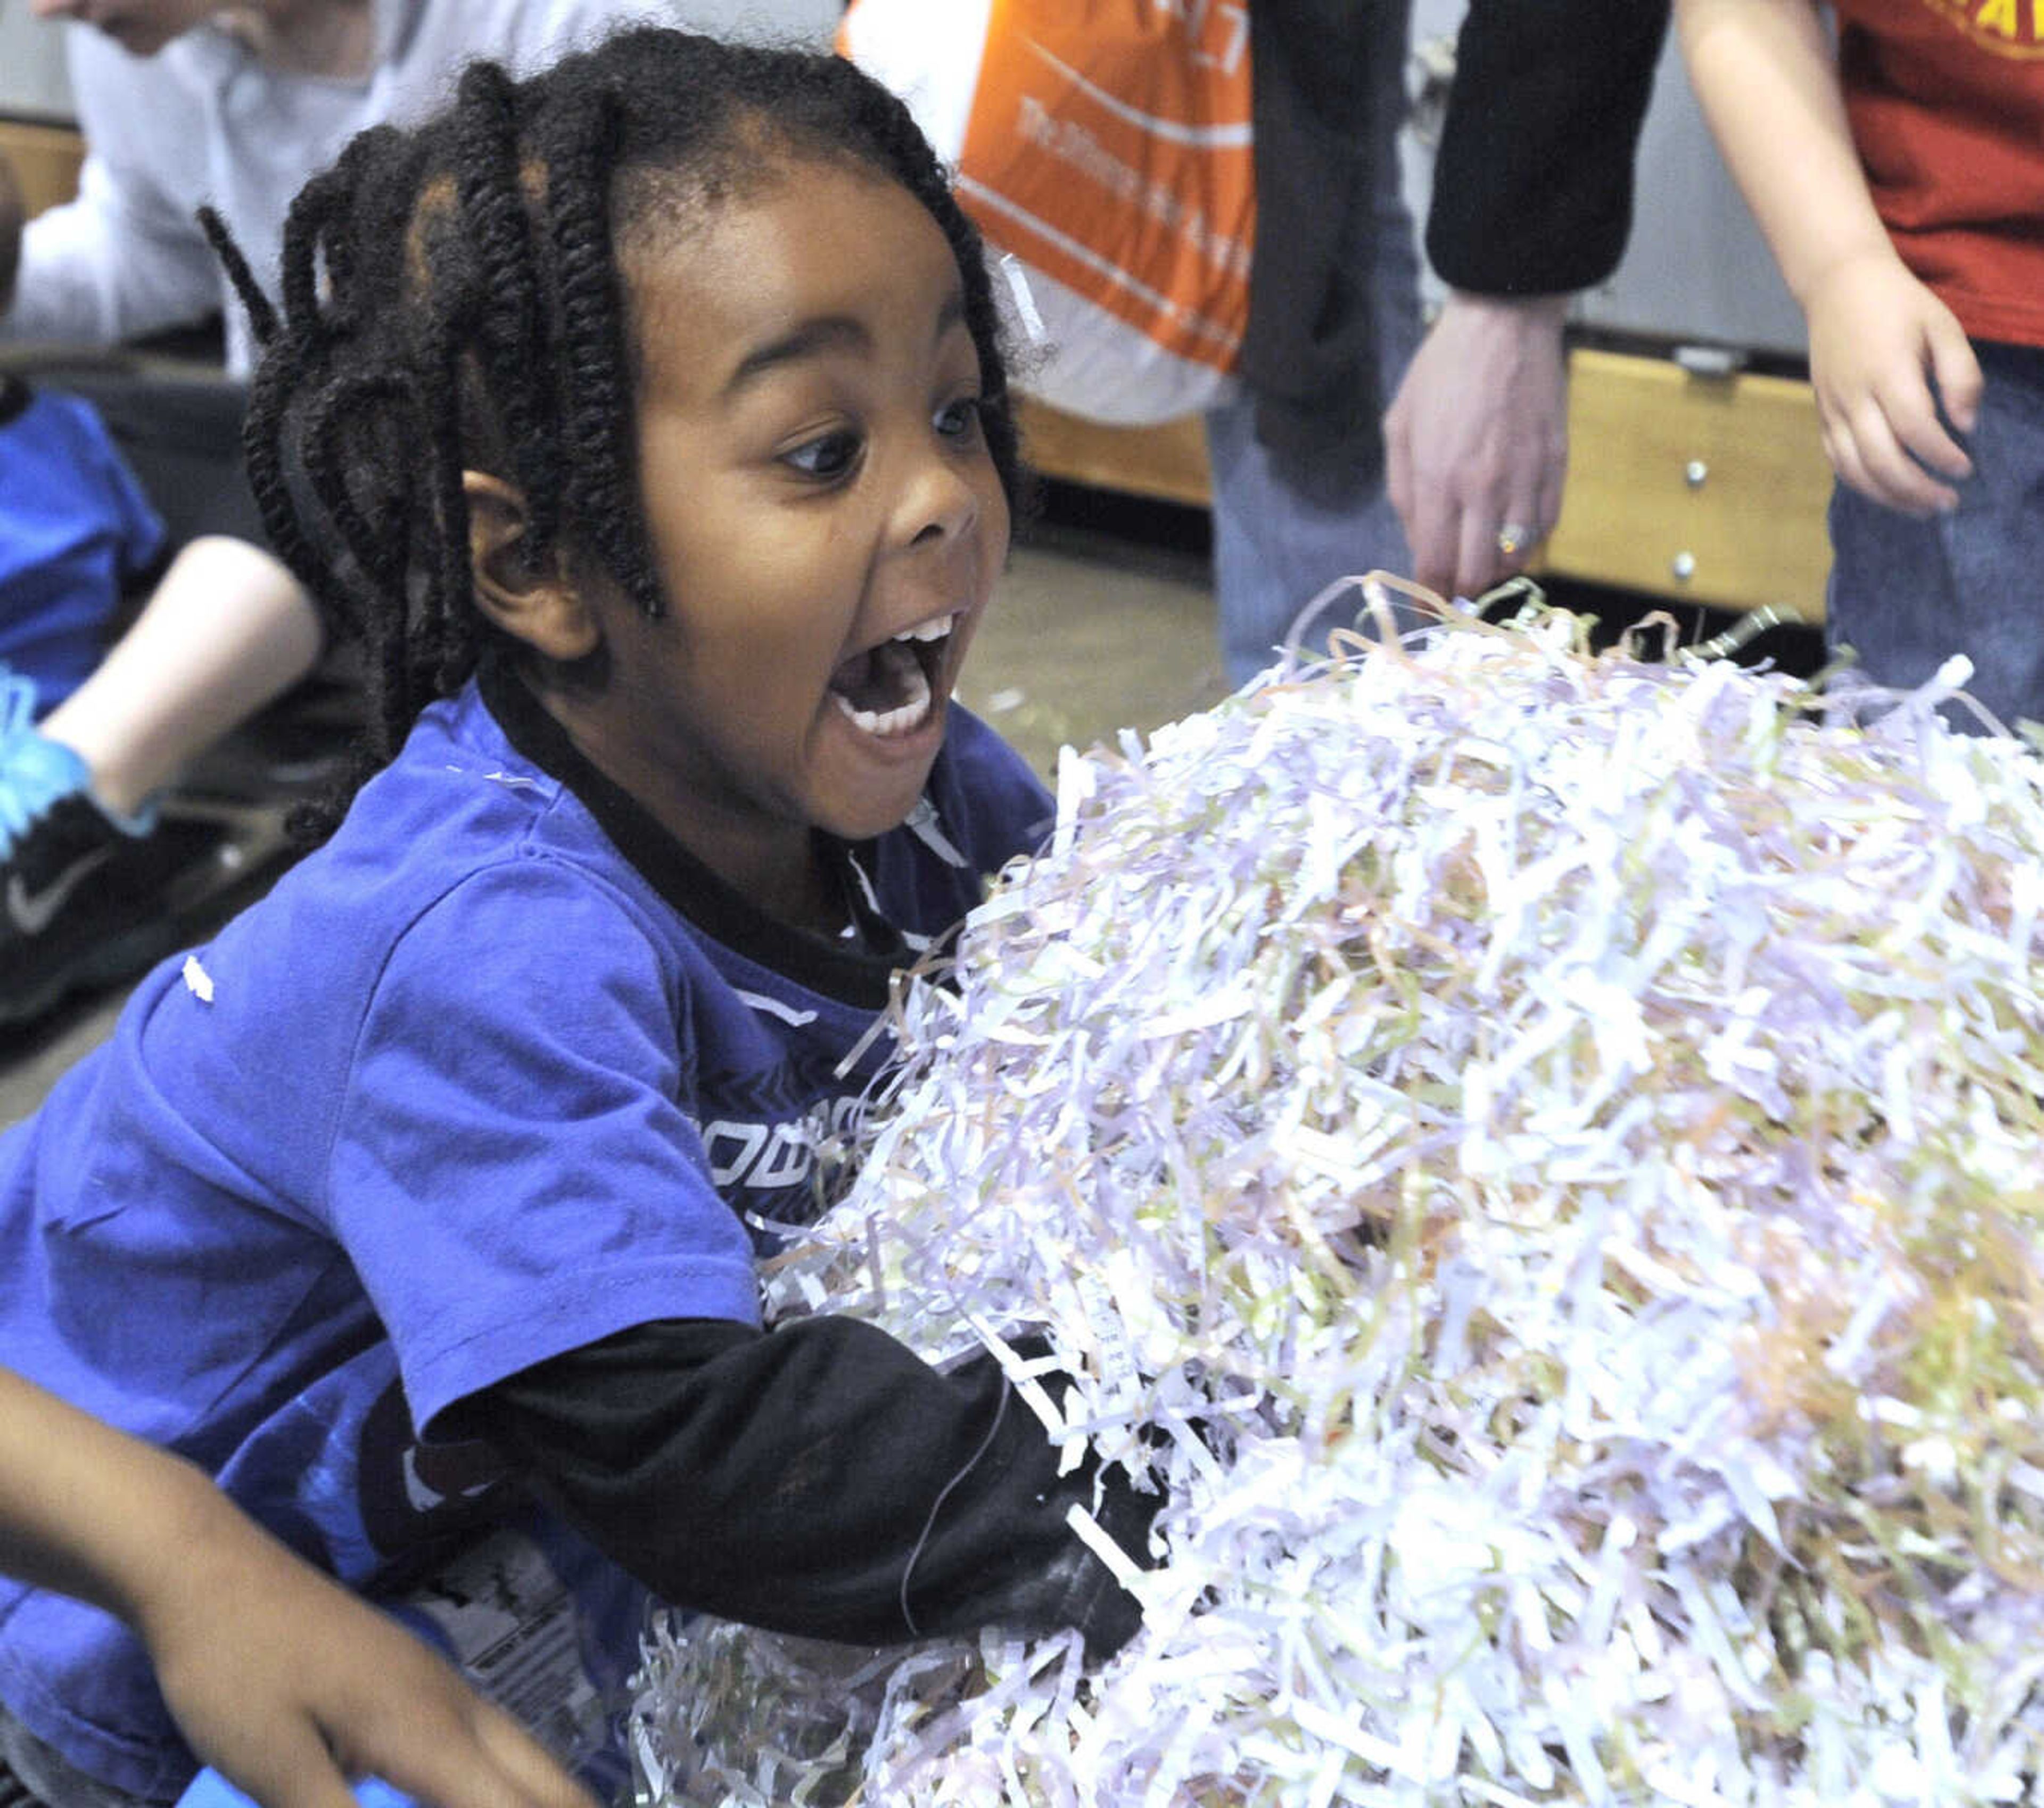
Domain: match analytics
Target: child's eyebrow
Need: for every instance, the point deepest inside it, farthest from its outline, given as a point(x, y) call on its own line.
point(815, 336)
point(806, 340)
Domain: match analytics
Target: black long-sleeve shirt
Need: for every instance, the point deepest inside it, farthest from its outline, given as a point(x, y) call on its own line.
point(819, 1479)
point(1533, 186)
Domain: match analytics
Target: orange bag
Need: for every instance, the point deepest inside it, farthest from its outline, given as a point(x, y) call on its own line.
point(1105, 144)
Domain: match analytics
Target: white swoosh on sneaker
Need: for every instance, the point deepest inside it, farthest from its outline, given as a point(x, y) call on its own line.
point(32, 912)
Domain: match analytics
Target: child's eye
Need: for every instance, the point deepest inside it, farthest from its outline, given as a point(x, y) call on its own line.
point(959, 420)
point(827, 455)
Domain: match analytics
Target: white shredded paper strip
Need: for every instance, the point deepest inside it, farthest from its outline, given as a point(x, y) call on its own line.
point(1553, 1147)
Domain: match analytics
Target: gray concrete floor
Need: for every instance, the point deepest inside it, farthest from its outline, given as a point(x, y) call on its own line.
point(1088, 635)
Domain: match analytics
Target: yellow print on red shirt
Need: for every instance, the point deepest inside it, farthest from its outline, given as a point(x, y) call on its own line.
point(2008, 28)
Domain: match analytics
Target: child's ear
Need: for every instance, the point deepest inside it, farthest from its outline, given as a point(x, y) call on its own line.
point(532, 598)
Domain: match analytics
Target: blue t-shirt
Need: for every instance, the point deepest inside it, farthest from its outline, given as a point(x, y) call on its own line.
point(497, 1072)
point(75, 530)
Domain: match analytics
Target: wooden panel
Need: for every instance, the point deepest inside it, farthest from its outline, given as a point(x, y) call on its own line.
point(1169, 462)
point(1710, 488)
point(46, 161)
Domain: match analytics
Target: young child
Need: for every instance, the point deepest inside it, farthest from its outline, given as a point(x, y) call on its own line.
point(287, 1683)
point(651, 411)
point(1899, 180)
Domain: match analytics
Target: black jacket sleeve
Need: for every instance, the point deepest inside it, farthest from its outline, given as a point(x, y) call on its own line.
point(1533, 186)
point(819, 1479)
point(1309, 353)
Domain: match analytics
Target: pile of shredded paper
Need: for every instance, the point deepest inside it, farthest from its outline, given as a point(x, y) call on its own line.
point(1540, 1157)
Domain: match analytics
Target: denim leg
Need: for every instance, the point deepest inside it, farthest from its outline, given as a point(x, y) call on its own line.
point(1284, 528)
point(1906, 595)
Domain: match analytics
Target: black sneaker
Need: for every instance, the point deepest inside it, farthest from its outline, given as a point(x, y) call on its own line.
point(84, 906)
point(86, 899)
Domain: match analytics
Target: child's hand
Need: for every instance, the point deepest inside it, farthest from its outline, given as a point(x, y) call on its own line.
point(286, 1684)
point(1877, 339)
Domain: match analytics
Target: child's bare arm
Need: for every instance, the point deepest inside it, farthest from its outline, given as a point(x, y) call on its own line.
point(280, 1679)
point(1764, 73)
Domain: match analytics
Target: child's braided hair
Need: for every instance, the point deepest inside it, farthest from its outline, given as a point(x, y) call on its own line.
point(452, 301)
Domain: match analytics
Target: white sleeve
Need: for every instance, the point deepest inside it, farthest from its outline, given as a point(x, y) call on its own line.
point(126, 256)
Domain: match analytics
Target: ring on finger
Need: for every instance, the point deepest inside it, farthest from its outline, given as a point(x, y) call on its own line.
point(1513, 538)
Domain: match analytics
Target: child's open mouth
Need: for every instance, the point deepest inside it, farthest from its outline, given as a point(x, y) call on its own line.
point(887, 689)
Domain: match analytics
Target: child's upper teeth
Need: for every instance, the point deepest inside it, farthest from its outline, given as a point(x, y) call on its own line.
point(936, 629)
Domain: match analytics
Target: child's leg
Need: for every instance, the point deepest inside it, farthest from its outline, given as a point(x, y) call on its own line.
point(1906, 595)
point(91, 879)
point(227, 632)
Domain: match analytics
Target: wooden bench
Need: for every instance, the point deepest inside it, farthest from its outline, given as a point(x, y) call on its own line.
point(46, 159)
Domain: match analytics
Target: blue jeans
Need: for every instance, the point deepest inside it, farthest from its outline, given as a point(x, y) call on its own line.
point(1907, 594)
point(1285, 528)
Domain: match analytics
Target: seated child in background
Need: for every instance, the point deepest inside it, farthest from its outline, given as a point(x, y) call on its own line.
point(78, 539)
point(76, 536)
point(650, 412)
point(287, 1683)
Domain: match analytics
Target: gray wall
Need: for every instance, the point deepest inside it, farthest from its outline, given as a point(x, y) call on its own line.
point(813, 21)
point(32, 78)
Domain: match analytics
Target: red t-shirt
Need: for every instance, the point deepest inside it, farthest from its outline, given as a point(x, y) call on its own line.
point(1946, 101)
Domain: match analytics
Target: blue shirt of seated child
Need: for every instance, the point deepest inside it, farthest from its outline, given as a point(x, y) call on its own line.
point(75, 531)
point(499, 1070)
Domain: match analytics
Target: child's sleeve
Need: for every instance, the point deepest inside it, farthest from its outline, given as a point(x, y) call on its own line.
point(513, 1169)
point(819, 1480)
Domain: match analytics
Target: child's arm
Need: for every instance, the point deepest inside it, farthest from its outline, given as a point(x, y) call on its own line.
point(279, 1679)
point(819, 1479)
point(1764, 73)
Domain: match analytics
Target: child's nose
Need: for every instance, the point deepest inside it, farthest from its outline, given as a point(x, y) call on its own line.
point(938, 501)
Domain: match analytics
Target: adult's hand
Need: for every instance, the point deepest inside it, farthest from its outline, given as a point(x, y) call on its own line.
point(1477, 440)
